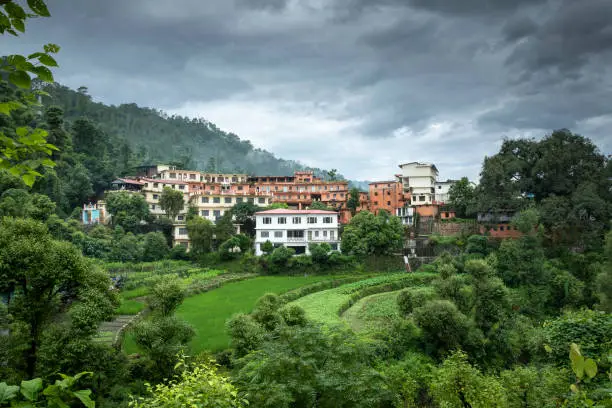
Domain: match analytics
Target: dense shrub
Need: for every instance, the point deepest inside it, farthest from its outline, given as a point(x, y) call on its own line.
point(155, 247)
point(409, 299)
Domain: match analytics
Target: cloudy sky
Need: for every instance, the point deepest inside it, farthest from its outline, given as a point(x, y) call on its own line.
point(357, 85)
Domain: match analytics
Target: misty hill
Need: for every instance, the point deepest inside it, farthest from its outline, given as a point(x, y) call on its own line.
point(158, 137)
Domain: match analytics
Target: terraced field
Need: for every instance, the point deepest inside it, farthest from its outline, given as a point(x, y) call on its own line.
point(327, 306)
point(372, 313)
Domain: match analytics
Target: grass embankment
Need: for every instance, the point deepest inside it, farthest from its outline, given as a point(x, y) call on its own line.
point(327, 306)
point(375, 313)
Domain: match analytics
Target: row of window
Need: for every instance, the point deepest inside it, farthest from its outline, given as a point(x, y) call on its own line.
point(299, 234)
point(297, 220)
point(230, 200)
point(300, 189)
point(156, 185)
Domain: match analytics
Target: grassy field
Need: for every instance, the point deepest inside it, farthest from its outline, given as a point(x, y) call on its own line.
point(372, 313)
point(324, 306)
point(208, 312)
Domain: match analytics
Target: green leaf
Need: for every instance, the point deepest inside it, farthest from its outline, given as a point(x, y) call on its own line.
point(16, 60)
point(39, 7)
point(14, 10)
point(29, 179)
point(18, 24)
point(20, 79)
point(7, 392)
point(51, 48)
point(47, 60)
point(83, 396)
point(590, 367)
point(31, 388)
point(22, 131)
point(7, 107)
point(44, 73)
point(574, 388)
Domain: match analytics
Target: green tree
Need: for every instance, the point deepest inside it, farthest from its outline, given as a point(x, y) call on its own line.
point(23, 149)
point(41, 276)
point(224, 228)
point(244, 214)
point(198, 385)
point(310, 366)
point(163, 337)
point(461, 197)
point(332, 174)
point(127, 209)
point(201, 233)
point(172, 202)
point(458, 384)
point(353, 201)
point(79, 188)
point(318, 205)
point(369, 234)
point(19, 203)
point(275, 206)
point(604, 279)
point(155, 247)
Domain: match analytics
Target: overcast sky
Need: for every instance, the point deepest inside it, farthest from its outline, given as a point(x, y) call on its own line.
point(356, 85)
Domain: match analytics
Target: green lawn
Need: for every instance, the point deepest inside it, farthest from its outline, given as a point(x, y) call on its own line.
point(129, 307)
point(372, 313)
point(209, 311)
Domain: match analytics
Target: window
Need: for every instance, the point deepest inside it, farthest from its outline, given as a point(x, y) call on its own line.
point(334, 195)
point(155, 196)
point(264, 234)
point(297, 220)
point(342, 195)
point(325, 234)
point(182, 231)
point(312, 220)
point(316, 234)
point(376, 193)
point(238, 200)
point(388, 192)
point(310, 235)
point(216, 200)
point(414, 198)
point(501, 228)
point(227, 200)
point(182, 187)
point(250, 200)
point(331, 235)
point(327, 220)
point(216, 213)
point(205, 200)
point(445, 215)
point(172, 175)
point(295, 234)
point(155, 185)
point(205, 213)
point(240, 188)
point(152, 206)
point(334, 247)
point(267, 220)
point(261, 200)
point(421, 198)
point(192, 176)
point(180, 218)
point(234, 179)
point(146, 184)
point(439, 187)
point(282, 220)
point(285, 189)
point(388, 202)
point(278, 234)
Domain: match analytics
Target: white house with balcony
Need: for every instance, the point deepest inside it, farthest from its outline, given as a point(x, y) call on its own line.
point(419, 180)
point(296, 229)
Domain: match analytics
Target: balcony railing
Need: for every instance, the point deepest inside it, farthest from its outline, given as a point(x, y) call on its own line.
point(296, 239)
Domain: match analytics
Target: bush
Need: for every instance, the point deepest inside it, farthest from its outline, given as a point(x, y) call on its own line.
point(155, 247)
point(179, 253)
point(229, 249)
point(279, 258)
point(320, 253)
point(409, 299)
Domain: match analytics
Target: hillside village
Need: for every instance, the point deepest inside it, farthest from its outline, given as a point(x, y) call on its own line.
point(415, 193)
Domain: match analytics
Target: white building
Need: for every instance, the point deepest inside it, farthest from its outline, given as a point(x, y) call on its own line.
point(296, 229)
point(442, 190)
point(419, 179)
point(406, 214)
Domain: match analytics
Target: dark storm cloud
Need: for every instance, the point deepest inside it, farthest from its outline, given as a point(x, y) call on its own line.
point(386, 67)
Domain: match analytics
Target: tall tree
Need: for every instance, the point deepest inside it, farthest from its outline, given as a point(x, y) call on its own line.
point(200, 232)
point(353, 201)
point(244, 214)
point(42, 277)
point(172, 202)
point(461, 197)
point(369, 234)
point(224, 228)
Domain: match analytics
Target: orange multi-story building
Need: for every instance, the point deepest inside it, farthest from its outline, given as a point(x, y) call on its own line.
point(388, 196)
point(302, 189)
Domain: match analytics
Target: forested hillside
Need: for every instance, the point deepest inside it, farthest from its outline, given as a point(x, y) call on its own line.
point(158, 137)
